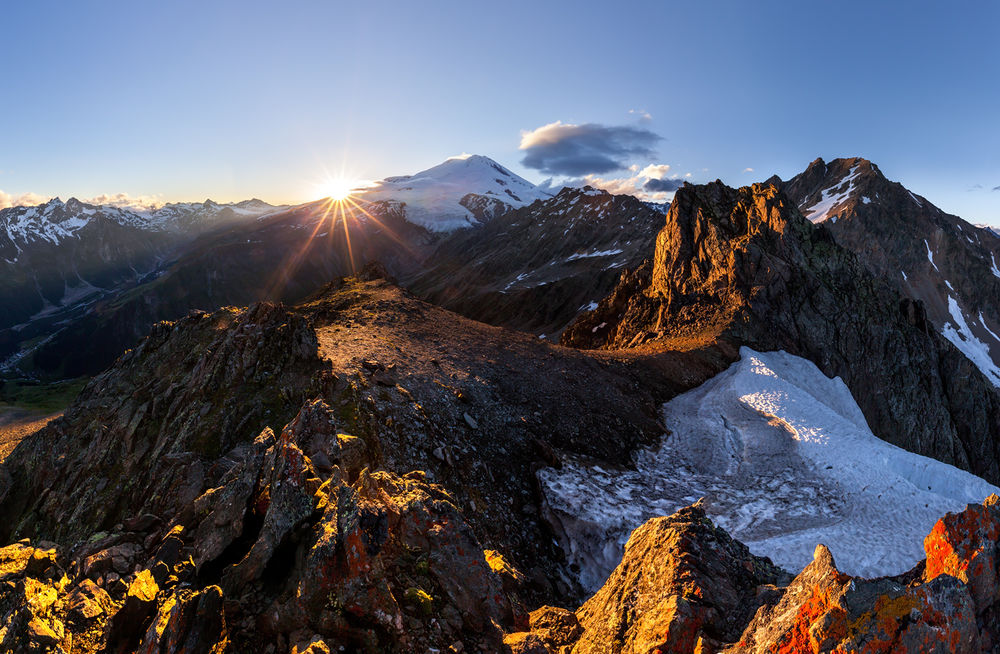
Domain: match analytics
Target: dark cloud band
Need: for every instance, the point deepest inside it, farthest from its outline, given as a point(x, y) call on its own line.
point(576, 150)
point(662, 185)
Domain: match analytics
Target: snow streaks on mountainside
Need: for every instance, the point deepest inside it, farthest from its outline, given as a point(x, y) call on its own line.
point(929, 255)
point(783, 459)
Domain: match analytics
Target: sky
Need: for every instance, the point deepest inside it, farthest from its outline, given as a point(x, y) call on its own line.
point(181, 100)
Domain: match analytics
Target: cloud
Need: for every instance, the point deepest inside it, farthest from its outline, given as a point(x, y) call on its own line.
point(23, 200)
point(121, 200)
point(650, 183)
point(748, 170)
point(662, 185)
point(126, 201)
point(996, 188)
point(589, 149)
point(655, 171)
point(643, 115)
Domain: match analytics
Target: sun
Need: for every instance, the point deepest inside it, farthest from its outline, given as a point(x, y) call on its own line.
point(339, 189)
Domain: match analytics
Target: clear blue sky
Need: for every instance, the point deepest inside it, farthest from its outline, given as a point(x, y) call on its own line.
point(229, 100)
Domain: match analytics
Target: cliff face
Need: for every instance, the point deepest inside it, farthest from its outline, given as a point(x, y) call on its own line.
point(744, 266)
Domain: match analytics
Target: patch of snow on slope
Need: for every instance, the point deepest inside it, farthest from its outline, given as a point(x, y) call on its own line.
point(930, 255)
point(830, 198)
point(597, 253)
point(982, 322)
point(784, 459)
point(974, 349)
point(433, 196)
point(993, 266)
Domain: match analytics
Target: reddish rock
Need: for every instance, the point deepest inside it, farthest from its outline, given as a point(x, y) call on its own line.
point(964, 545)
point(681, 578)
point(824, 610)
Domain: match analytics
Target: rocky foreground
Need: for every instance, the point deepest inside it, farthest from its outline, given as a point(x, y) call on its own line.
point(346, 559)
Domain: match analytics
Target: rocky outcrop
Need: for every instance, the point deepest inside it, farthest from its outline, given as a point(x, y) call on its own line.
point(685, 586)
point(947, 604)
point(282, 551)
point(681, 581)
point(141, 438)
point(744, 266)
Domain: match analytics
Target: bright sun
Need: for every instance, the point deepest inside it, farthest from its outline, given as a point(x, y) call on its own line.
point(339, 189)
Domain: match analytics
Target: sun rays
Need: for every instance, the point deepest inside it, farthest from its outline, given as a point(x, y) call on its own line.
point(334, 224)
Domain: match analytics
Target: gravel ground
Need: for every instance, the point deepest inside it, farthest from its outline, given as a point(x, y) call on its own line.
point(15, 424)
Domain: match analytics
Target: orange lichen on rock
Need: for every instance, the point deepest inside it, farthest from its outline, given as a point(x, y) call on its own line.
point(964, 545)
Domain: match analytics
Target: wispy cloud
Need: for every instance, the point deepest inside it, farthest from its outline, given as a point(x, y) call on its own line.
point(748, 170)
point(643, 115)
point(650, 183)
point(121, 200)
point(572, 150)
point(23, 200)
point(996, 188)
point(126, 201)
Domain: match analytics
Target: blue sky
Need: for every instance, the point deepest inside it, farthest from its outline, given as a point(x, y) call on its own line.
point(185, 100)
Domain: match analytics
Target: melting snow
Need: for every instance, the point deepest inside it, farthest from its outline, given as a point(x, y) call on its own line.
point(784, 459)
point(974, 349)
point(993, 266)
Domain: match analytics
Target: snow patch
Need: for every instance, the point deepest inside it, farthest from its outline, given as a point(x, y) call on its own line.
point(831, 198)
point(974, 349)
point(784, 459)
point(930, 255)
point(598, 253)
point(982, 322)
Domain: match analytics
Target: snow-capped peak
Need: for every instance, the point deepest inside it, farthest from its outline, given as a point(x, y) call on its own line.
point(439, 198)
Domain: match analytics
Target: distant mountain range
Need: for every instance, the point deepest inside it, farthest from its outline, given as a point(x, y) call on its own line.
point(83, 282)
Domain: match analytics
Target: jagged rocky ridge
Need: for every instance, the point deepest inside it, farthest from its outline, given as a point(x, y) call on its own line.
point(685, 586)
point(744, 266)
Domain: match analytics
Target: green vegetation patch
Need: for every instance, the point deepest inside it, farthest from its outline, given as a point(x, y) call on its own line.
point(36, 396)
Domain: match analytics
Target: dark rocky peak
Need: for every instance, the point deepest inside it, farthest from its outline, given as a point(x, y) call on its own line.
point(928, 255)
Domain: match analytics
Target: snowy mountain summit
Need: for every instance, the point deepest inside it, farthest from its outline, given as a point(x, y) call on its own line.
point(461, 192)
